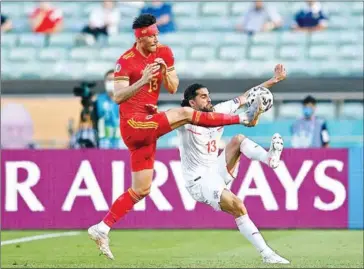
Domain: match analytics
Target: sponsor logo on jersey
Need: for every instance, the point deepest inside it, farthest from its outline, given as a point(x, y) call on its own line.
point(117, 68)
point(236, 100)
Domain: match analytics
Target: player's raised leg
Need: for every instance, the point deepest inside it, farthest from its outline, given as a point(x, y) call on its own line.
point(241, 144)
point(232, 205)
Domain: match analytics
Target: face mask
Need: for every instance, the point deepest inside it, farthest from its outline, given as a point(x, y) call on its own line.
point(109, 86)
point(307, 111)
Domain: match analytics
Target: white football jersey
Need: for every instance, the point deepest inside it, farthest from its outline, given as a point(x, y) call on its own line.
point(198, 145)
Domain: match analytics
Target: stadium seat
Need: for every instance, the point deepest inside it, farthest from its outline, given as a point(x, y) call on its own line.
point(231, 38)
point(70, 9)
point(324, 37)
point(262, 52)
point(62, 40)
point(21, 25)
point(186, 9)
point(325, 110)
point(22, 54)
point(97, 69)
point(71, 70)
point(177, 38)
point(29, 7)
point(335, 8)
point(13, 10)
point(74, 25)
point(232, 53)
point(8, 40)
point(341, 23)
point(110, 54)
point(32, 40)
point(265, 38)
point(206, 38)
point(290, 110)
point(321, 52)
point(4, 54)
point(352, 111)
point(357, 8)
point(351, 52)
point(215, 68)
point(298, 38)
point(292, 52)
point(128, 11)
point(52, 54)
point(124, 40)
point(191, 24)
point(240, 8)
point(83, 54)
point(190, 69)
point(214, 24)
point(253, 68)
point(179, 53)
point(202, 53)
point(350, 37)
point(214, 9)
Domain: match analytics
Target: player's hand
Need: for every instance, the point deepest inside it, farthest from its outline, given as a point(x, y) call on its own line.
point(279, 73)
point(152, 109)
point(150, 71)
point(162, 64)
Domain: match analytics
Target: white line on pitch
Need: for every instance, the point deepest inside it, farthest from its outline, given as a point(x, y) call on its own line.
point(38, 237)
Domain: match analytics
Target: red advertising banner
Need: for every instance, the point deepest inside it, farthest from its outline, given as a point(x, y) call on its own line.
point(73, 189)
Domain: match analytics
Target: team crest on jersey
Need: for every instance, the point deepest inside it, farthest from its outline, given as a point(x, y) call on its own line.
point(148, 117)
point(236, 100)
point(118, 68)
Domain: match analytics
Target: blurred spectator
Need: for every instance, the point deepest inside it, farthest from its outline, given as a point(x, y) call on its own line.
point(107, 112)
point(310, 131)
point(16, 127)
point(46, 19)
point(310, 19)
point(260, 18)
point(6, 24)
point(163, 12)
point(103, 21)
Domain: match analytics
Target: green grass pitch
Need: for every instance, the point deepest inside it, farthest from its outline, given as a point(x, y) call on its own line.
point(186, 249)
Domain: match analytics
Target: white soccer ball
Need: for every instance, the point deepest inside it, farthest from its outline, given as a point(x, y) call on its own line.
point(265, 94)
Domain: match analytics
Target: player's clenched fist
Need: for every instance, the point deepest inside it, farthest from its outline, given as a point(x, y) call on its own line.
point(162, 64)
point(150, 71)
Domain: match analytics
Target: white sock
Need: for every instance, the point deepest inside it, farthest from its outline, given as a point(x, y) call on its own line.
point(251, 232)
point(254, 151)
point(103, 227)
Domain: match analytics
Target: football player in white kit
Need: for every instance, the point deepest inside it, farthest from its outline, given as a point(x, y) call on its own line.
point(208, 174)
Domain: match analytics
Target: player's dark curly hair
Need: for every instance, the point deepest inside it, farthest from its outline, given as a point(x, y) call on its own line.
point(190, 93)
point(309, 100)
point(144, 20)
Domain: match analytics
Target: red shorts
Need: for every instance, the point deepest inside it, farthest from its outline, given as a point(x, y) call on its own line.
point(140, 134)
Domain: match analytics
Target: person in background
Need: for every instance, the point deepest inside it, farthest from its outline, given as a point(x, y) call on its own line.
point(164, 14)
point(310, 19)
point(260, 18)
point(310, 131)
point(46, 19)
point(107, 112)
point(103, 22)
point(6, 24)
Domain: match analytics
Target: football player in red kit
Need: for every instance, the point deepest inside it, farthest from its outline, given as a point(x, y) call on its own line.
point(139, 74)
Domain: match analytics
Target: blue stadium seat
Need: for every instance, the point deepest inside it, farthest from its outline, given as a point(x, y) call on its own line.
point(62, 40)
point(21, 25)
point(324, 37)
point(214, 24)
point(322, 52)
point(124, 40)
point(240, 8)
point(206, 38)
point(350, 37)
point(9, 40)
point(352, 110)
point(84, 54)
point(13, 10)
point(335, 8)
point(97, 69)
point(186, 9)
point(298, 38)
point(74, 25)
point(232, 53)
point(232, 38)
point(191, 24)
point(357, 8)
point(22, 54)
point(179, 52)
point(292, 52)
point(202, 53)
point(110, 54)
point(52, 54)
point(325, 110)
point(262, 52)
point(341, 23)
point(70, 9)
point(32, 40)
point(351, 52)
point(265, 38)
point(216, 68)
point(177, 38)
point(253, 68)
point(215, 9)
point(71, 70)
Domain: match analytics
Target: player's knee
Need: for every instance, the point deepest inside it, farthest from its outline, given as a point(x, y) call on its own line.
point(239, 207)
point(143, 191)
point(238, 139)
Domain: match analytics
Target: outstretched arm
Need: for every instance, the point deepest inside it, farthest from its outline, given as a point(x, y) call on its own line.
point(279, 75)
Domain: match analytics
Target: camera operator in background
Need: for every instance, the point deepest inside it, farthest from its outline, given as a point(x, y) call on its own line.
point(86, 134)
point(107, 112)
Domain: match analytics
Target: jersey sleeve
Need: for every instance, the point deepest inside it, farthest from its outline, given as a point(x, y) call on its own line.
point(122, 70)
point(228, 107)
point(168, 57)
point(325, 137)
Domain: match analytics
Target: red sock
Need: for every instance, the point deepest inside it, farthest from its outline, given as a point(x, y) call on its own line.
point(121, 207)
point(213, 119)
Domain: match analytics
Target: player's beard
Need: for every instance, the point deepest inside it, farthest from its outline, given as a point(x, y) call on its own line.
point(208, 108)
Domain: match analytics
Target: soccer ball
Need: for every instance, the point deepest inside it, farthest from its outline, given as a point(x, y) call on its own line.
point(266, 95)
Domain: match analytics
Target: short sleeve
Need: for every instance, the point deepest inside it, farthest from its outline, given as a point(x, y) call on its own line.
point(168, 57)
point(122, 71)
point(228, 107)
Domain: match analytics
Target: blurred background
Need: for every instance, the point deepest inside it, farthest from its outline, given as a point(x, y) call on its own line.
point(49, 48)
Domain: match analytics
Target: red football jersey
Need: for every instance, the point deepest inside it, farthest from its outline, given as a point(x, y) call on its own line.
point(130, 67)
point(51, 18)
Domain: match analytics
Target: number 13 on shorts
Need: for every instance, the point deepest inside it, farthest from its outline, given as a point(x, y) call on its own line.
point(211, 146)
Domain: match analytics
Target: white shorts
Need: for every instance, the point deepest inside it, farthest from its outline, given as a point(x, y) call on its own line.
point(209, 184)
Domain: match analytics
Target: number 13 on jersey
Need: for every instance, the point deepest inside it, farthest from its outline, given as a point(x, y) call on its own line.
point(211, 146)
